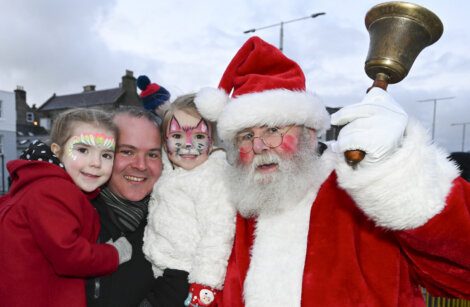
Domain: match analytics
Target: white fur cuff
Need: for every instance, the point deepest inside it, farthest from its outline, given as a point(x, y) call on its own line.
point(407, 189)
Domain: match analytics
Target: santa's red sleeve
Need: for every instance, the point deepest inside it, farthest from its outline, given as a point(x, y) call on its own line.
point(418, 194)
point(440, 249)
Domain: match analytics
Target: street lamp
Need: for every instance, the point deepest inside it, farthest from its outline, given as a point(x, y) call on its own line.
point(435, 100)
point(463, 132)
point(281, 24)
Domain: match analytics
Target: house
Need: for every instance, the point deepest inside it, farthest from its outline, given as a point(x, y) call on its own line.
point(108, 99)
point(27, 124)
point(7, 135)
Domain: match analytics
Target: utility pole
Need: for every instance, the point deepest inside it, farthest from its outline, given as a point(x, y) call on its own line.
point(435, 100)
point(463, 132)
point(281, 24)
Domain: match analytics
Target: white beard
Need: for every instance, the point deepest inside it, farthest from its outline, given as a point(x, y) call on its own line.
point(254, 193)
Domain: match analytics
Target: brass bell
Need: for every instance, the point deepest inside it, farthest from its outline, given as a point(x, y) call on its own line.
point(398, 32)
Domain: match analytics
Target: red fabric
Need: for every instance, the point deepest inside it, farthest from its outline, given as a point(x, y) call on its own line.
point(201, 295)
point(150, 89)
point(350, 262)
point(259, 66)
point(238, 264)
point(47, 227)
point(453, 255)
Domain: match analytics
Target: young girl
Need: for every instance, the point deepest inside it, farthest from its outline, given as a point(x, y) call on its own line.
point(48, 228)
point(191, 223)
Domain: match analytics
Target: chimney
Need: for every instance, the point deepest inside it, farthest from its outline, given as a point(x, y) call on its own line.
point(129, 82)
point(89, 88)
point(20, 97)
point(22, 108)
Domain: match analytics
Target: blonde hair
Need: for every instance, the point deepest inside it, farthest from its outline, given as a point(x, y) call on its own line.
point(66, 121)
point(186, 104)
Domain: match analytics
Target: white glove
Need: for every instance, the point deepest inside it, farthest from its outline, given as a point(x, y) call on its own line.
point(375, 125)
point(124, 249)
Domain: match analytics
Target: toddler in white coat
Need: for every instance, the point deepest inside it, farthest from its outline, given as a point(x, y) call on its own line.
point(191, 222)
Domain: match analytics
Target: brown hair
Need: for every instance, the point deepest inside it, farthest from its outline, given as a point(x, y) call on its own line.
point(186, 104)
point(138, 112)
point(65, 122)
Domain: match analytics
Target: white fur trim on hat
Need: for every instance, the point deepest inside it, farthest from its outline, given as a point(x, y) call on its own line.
point(210, 102)
point(278, 107)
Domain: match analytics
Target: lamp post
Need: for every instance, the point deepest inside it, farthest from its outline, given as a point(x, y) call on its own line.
point(463, 132)
point(281, 24)
point(435, 100)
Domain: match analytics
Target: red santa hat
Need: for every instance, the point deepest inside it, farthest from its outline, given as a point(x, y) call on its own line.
point(265, 88)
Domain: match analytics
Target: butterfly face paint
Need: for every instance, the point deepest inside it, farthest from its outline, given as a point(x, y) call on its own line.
point(88, 155)
point(188, 140)
point(97, 140)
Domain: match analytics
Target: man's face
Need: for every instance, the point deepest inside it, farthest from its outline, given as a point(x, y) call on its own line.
point(285, 150)
point(273, 169)
point(138, 163)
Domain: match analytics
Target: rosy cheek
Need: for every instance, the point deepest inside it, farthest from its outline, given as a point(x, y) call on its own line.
point(245, 157)
point(172, 157)
point(289, 144)
point(171, 145)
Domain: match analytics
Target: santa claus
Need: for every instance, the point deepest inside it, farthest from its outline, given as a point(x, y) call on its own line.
point(314, 231)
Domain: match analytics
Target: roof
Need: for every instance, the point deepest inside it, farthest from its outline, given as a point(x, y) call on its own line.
point(83, 100)
point(30, 130)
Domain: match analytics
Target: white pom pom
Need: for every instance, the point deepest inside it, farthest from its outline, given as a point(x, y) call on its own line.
point(210, 102)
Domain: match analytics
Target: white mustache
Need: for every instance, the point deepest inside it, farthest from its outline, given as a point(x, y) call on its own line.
point(267, 158)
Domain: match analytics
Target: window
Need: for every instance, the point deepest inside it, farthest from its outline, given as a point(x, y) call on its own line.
point(1, 109)
point(29, 117)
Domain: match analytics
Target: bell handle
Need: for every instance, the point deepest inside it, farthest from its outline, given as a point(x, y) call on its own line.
point(353, 157)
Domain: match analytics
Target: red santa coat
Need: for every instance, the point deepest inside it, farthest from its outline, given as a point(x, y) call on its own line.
point(47, 234)
point(348, 260)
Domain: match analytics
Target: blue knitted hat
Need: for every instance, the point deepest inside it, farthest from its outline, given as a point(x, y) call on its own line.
point(142, 82)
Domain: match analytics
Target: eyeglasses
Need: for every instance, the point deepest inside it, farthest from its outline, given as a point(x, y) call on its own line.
point(271, 137)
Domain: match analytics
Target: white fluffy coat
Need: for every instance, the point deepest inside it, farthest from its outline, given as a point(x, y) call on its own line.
point(191, 223)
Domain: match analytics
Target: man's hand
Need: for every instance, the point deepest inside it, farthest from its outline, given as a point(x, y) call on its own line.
point(375, 125)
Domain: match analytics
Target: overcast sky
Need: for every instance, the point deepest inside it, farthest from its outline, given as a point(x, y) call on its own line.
point(58, 46)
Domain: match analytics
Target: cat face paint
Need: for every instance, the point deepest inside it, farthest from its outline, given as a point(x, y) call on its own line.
point(188, 140)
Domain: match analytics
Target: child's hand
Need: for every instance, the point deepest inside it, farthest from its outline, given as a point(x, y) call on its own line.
point(124, 249)
point(200, 295)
